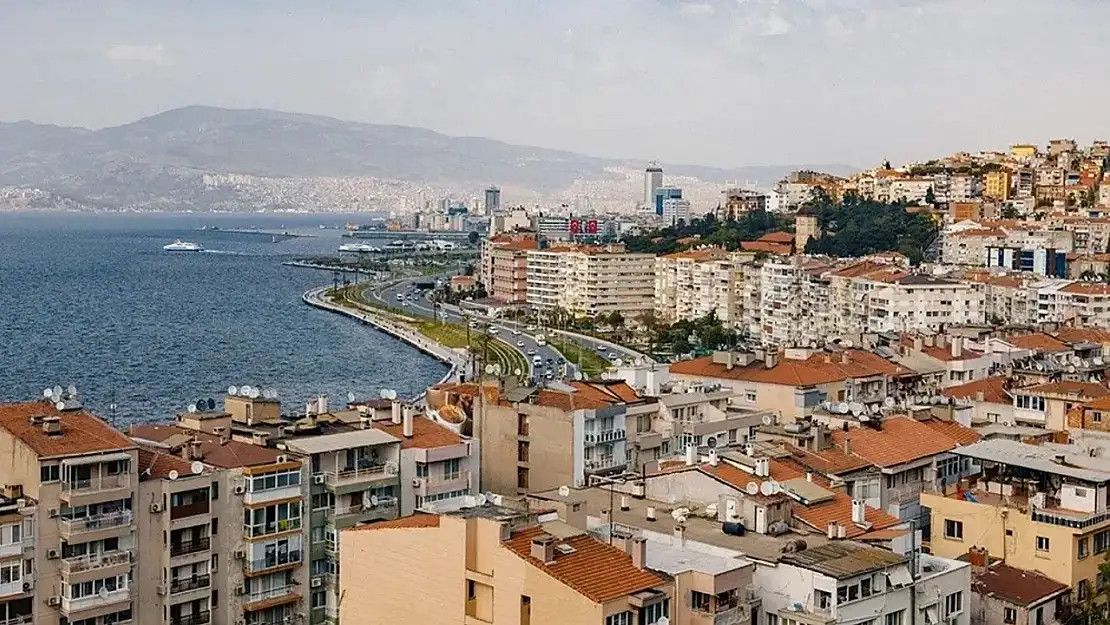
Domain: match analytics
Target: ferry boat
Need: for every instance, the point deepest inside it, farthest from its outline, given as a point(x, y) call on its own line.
point(182, 246)
point(358, 247)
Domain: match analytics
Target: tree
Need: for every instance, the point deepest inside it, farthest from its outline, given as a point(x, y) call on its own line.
point(1009, 212)
point(473, 237)
point(930, 197)
point(615, 319)
point(469, 269)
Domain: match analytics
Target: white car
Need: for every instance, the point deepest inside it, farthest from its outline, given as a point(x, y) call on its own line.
point(520, 343)
point(493, 331)
point(531, 352)
point(516, 332)
point(600, 348)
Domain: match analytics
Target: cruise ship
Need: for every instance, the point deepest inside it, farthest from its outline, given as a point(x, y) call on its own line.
point(358, 247)
point(182, 246)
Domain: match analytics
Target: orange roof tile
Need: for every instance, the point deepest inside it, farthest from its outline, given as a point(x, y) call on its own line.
point(1089, 390)
point(777, 237)
point(883, 535)
point(426, 434)
point(1083, 335)
point(82, 432)
point(1087, 288)
point(821, 368)
point(612, 392)
point(1039, 342)
point(707, 253)
point(598, 571)
point(993, 390)
point(839, 508)
point(900, 440)
point(416, 521)
point(953, 430)
point(154, 464)
point(944, 354)
point(770, 247)
point(568, 401)
point(832, 461)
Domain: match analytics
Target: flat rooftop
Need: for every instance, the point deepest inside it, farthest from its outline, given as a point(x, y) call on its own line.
point(841, 560)
point(1066, 460)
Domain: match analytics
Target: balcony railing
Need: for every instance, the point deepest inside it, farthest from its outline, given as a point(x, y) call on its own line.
point(96, 523)
point(14, 588)
point(273, 527)
point(606, 436)
point(362, 474)
point(186, 547)
point(99, 483)
point(189, 509)
point(69, 606)
point(18, 620)
point(262, 564)
point(904, 493)
point(79, 564)
point(605, 462)
point(1069, 518)
point(271, 593)
point(196, 618)
point(190, 583)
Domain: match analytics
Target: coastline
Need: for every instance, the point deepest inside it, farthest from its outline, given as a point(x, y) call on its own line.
point(456, 362)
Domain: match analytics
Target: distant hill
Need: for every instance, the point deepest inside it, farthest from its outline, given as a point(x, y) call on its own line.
point(158, 160)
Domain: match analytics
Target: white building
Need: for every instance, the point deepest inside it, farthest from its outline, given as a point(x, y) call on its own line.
point(653, 179)
point(675, 209)
point(591, 280)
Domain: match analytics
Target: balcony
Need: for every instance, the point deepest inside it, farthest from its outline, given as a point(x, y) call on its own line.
point(190, 583)
point(261, 599)
point(905, 493)
point(604, 463)
point(264, 564)
point(71, 606)
point(24, 619)
point(18, 587)
point(12, 550)
point(337, 480)
point(190, 509)
point(1073, 519)
point(95, 485)
point(73, 527)
point(196, 618)
point(254, 497)
point(81, 564)
point(349, 515)
point(186, 547)
point(272, 527)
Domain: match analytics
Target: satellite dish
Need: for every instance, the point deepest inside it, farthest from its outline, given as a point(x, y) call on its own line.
point(489, 369)
point(384, 393)
point(233, 390)
point(1098, 361)
point(711, 442)
point(72, 390)
point(56, 391)
point(173, 474)
point(497, 368)
point(875, 408)
point(618, 362)
point(1071, 368)
point(211, 404)
point(768, 420)
point(350, 395)
point(273, 393)
point(662, 620)
point(564, 491)
point(374, 500)
point(752, 488)
point(517, 371)
point(103, 592)
point(842, 408)
point(766, 489)
point(855, 408)
point(889, 402)
point(935, 399)
point(244, 390)
point(254, 393)
point(47, 392)
point(481, 500)
point(197, 467)
point(191, 408)
point(60, 405)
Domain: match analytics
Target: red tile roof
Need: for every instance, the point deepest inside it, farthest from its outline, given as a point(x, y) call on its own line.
point(596, 570)
point(832, 461)
point(154, 464)
point(568, 401)
point(1039, 342)
point(213, 451)
point(416, 521)
point(900, 440)
point(1086, 390)
point(82, 432)
point(1083, 335)
point(993, 390)
point(1017, 586)
point(958, 433)
point(426, 434)
point(822, 368)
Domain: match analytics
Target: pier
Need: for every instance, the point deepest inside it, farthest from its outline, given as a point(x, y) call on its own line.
point(276, 235)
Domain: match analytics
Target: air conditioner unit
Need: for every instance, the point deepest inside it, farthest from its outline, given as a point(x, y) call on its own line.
point(54, 601)
point(317, 582)
point(53, 513)
point(318, 478)
point(51, 554)
point(417, 482)
point(163, 589)
point(239, 489)
point(239, 590)
point(28, 586)
point(240, 555)
point(155, 508)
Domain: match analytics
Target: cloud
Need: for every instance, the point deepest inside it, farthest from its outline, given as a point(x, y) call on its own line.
point(696, 8)
point(127, 53)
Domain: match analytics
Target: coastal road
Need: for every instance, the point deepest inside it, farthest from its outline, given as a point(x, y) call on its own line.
point(417, 304)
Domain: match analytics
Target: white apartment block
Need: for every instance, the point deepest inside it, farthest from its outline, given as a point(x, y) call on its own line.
point(1086, 304)
point(591, 280)
point(794, 297)
point(692, 284)
point(917, 301)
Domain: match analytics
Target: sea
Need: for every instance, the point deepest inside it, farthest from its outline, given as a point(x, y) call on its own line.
point(92, 300)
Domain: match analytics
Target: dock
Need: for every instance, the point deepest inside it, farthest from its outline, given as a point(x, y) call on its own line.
point(276, 235)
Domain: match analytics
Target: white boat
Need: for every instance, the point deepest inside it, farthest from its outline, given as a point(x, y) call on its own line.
point(182, 246)
point(357, 247)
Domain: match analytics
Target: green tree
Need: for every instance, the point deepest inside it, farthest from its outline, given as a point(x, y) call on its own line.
point(473, 237)
point(1009, 212)
point(930, 197)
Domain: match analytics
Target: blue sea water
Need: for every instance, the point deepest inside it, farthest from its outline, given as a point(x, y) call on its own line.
point(94, 301)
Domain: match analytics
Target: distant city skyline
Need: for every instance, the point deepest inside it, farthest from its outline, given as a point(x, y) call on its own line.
point(717, 82)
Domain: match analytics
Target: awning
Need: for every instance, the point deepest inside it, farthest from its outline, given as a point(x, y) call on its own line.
point(83, 460)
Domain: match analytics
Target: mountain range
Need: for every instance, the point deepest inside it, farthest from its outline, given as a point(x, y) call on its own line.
point(159, 161)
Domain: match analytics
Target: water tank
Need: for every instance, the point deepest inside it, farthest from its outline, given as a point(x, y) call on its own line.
point(733, 529)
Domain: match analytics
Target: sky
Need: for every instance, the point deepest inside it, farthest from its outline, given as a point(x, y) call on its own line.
point(714, 82)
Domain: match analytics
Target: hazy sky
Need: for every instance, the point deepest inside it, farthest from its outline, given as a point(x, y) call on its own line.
point(724, 82)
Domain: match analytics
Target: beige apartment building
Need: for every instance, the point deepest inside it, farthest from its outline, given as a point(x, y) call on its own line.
point(17, 550)
point(693, 284)
point(494, 565)
point(505, 268)
point(591, 280)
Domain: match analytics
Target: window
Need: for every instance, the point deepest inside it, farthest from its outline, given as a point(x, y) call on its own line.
point(953, 604)
point(1082, 548)
point(50, 473)
point(215, 490)
point(823, 599)
point(894, 618)
point(652, 613)
point(772, 618)
point(471, 590)
point(215, 526)
point(1082, 590)
point(865, 587)
point(1102, 541)
point(750, 396)
point(319, 599)
point(1009, 615)
point(421, 469)
point(953, 529)
point(521, 477)
point(621, 618)
point(215, 600)
point(701, 601)
point(1042, 543)
point(274, 479)
point(1029, 402)
point(1096, 417)
point(323, 501)
point(451, 469)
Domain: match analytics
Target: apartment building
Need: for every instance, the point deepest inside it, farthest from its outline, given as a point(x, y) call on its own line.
point(696, 283)
point(997, 185)
point(1083, 304)
point(1006, 595)
point(1041, 507)
point(794, 298)
point(505, 268)
point(493, 564)
point(917, 302)
point(17, 556)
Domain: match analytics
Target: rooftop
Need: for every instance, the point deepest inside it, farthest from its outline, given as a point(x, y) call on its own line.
point(900, 440)
point(820, 368)
point(426, 434)
point(842, 560)
point(156, 465)
point(1014, 585)
point(1044, 458)
point(993, 389)
point(81, 432)
point(337, 442)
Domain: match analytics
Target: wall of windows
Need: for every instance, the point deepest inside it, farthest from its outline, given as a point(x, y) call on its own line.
point(90, 589)
point(273, 479)
point(280, 517)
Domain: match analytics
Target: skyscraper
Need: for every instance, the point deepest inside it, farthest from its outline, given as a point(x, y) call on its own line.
point(663, 194)
point(493, 199)
point(653, 179)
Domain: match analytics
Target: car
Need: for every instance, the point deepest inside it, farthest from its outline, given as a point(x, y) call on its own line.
point(474, 324)
point(531, 328)
point(600, 348)
point(493, 331)
point(549, 375)
point(520, 343)
point(550, 361)
point(516, 332)
point(531, 352)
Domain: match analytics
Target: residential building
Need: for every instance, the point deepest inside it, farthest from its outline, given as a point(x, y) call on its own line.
point(738, 201)
point(997, 184)
point(989, 398)
point(1037, 506)
point(17, 556)
point(662, 194)
point(591, 280)
point(83, 475)
point(674, 210)
point(794, 302)
point(1004, 595)
point(505, 268)
point(806, 228)
point(494, 564)
point(915, 302)
point(695, 283)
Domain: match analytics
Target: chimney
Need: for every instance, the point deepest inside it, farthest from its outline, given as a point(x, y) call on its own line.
point(771, 359)
point(691, 455)
point(957, 347)
point(543, 548)
point(845, 358)
point(624, 503)
point(224, 434)
point(847, 445)
point(942, 340)
point(858, 510)
point(713, 460)
point(809, 476)
point(406, 429)
point(322, 404)
point(396, 414)
point(638, 548)
point(13, 491)
point(979, 396)
point(830, 531)
point(679, 535)
point(841, 531)
point(978, 558)
point(918, 344)
point(651, 513)
point(52, 425)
